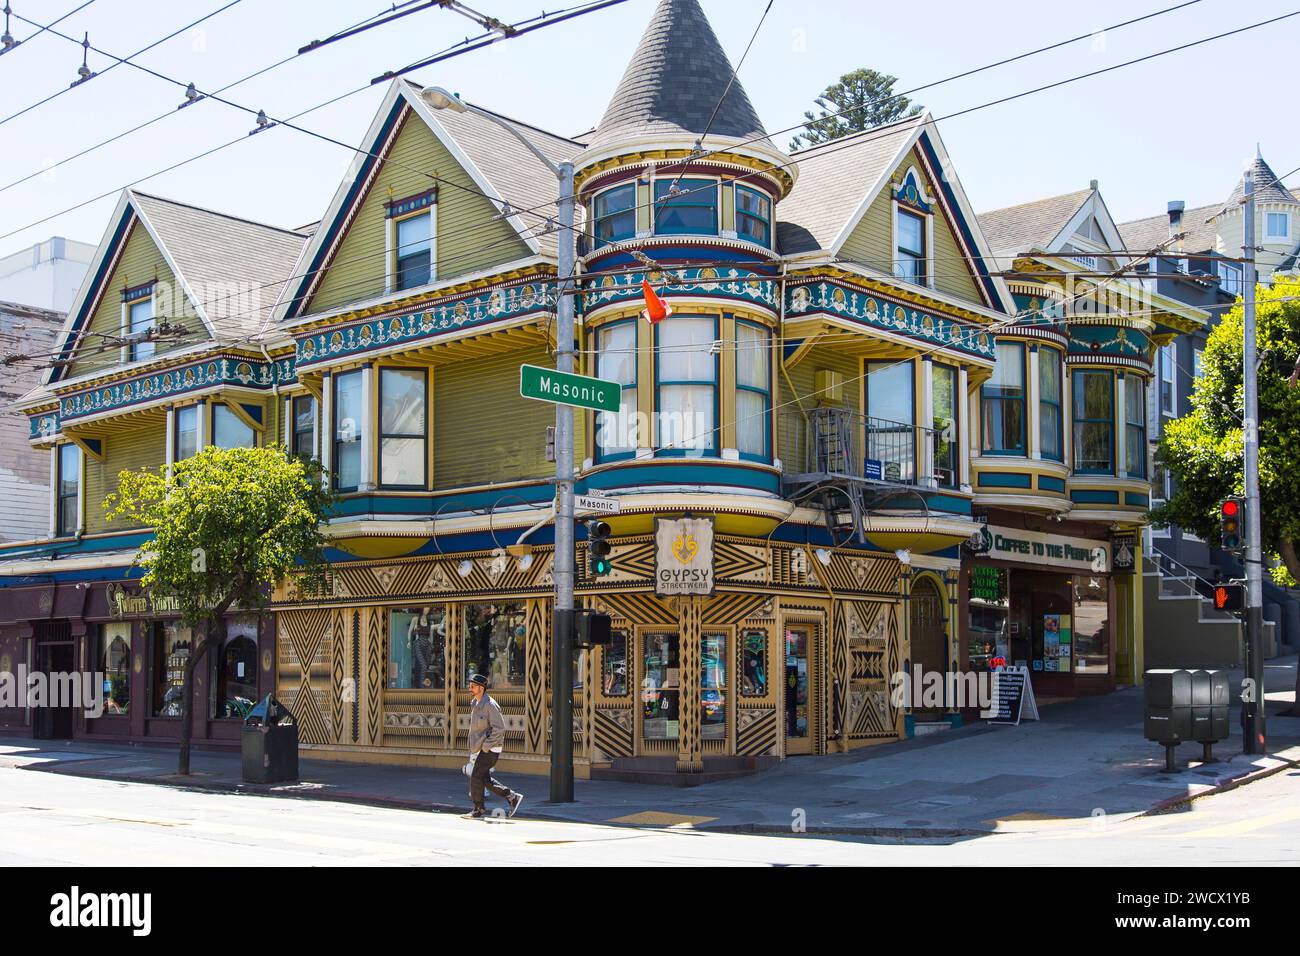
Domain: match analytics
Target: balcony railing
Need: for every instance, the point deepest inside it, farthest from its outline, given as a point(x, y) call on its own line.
point(838, 442)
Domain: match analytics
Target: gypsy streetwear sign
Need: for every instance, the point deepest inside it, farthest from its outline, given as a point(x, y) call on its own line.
point(1061, 551)
point(683, 556)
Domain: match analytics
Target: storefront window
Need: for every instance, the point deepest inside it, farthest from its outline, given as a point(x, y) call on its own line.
point(1091, 632)
point(113, 660)
point(417, 648)
point(236, 685)
point(614, 665)
point(990, 606)
point(171, 649)
point(661, 687)
point(495, 637)
point(797, 722)
point(713, 686)
point(753, 663)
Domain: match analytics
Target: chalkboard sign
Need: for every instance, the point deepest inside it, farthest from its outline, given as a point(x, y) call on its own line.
point(1013, 697)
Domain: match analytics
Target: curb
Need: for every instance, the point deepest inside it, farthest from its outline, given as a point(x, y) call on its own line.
point(1222, 786)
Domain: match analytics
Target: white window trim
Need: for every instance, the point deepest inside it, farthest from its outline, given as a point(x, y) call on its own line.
point(326, 419)
point(390, 246)
point(1286, 218)
point(717, 205)
point(54, 489)
point(1167, 357)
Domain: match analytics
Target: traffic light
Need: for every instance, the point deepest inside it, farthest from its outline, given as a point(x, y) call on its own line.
point(1232, 521)
point(592, 628)
point(1229, 597)
point(598, 549)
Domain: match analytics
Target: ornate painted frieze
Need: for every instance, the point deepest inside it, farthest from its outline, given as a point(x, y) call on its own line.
point(724, 282)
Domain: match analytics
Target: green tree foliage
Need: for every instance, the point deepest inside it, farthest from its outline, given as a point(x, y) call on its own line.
point(860, 100)
point(1204, 450)
point(229, 526)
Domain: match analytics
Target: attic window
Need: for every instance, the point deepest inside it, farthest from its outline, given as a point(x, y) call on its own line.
point(910, 256)
point(414, 242)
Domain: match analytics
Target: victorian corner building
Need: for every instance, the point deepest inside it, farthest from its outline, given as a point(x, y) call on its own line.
point(872, 450)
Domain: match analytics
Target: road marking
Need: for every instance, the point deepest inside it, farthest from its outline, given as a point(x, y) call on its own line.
point(656, 818)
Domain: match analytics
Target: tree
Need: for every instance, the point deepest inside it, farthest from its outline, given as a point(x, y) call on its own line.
point(1204, 450)
point(860, 100)
point(229, 525)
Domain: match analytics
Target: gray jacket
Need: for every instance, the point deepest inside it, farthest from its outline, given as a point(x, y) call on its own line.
point(487, 728)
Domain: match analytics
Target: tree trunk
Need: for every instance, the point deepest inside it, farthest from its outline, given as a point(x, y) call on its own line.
point(1286, 548)
point(215, 633)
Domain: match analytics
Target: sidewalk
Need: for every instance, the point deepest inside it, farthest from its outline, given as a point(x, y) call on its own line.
point(1086, 758)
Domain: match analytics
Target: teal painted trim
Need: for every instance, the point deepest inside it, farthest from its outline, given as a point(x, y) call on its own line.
point(446, 504)
point(1140, 500)
point(1048, 483)
point(683, 472)
point(1089, 497)
point(909, 726)
point(949, 503)
point(1001, 479)
point(117, 542)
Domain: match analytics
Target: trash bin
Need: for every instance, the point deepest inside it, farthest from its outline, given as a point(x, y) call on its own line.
point(1167, 718)
point(269, 742)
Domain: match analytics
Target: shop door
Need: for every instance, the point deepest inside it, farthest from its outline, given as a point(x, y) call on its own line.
point(54, 657)
point(800, 690)
point(929, 643)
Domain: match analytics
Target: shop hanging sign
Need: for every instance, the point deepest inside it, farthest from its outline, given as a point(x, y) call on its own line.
point(683, 556)
point(124, 603)
point(1035, 547)
point(1123, 551)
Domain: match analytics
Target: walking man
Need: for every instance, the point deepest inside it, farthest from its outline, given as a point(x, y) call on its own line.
point(487, 735)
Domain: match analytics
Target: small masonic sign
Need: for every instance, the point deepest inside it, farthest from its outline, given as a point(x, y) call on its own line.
point(683, 556)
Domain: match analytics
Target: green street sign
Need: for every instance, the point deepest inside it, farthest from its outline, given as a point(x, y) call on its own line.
point(564, 388)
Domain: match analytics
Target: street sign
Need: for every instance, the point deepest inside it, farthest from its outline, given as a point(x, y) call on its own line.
point(564, 388)
point(601, 505)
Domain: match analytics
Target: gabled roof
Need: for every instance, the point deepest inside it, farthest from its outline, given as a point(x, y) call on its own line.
point(231, 269)
point(839, 180)
point(1031, 225)
point(674, 81)
point(833, 179)
point(501, 168)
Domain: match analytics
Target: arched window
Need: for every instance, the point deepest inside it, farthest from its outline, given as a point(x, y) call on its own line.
point(236, 689)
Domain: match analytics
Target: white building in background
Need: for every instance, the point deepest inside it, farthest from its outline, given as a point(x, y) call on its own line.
point(46, 275)
point(37, 285)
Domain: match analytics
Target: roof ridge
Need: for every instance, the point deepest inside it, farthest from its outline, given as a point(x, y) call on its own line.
point(1034, 202)
point(513, 119)
point(217, 212)
point(841, 140)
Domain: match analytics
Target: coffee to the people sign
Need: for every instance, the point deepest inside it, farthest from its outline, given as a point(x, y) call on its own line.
point(683, 556)
point(1015, 544)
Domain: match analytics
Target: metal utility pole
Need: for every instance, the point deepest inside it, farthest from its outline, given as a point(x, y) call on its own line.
point(562, 570)
point(1252, 702)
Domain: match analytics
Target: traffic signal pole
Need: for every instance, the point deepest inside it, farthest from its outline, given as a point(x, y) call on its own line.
point(1252, 699)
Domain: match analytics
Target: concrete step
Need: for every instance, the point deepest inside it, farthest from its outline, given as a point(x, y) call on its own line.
point(662, 771)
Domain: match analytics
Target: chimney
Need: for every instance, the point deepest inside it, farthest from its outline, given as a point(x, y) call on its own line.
point(1176, 208)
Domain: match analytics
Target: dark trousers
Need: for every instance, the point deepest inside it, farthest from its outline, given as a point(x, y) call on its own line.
point(482, 777)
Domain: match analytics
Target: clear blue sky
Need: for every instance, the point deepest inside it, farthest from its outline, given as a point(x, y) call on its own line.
point(1179, 127)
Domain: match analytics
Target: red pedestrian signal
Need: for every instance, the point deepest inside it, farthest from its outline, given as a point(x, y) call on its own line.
point(1229, 597)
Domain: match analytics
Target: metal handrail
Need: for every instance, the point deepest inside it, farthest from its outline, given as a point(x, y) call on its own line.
point(839, 441)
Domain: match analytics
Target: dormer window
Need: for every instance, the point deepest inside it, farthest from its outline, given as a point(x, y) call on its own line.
point(753, 216)
point(910, 252)
point(613, 214)
point(692, 209)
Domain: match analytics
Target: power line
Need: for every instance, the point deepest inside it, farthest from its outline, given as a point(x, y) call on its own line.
point(9, 43)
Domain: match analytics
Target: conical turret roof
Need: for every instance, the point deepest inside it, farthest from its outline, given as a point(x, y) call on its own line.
point(674, 82)
point(1267, 187)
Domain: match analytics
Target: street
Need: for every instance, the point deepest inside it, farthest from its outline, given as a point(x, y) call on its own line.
point(56, 820)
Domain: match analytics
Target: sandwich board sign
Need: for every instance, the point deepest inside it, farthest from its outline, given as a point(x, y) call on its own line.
point(1013, 697)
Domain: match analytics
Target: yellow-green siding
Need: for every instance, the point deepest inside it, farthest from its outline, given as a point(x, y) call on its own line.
point(468, 238)
point(790, 442)
point(124, 451)
point(140, 262)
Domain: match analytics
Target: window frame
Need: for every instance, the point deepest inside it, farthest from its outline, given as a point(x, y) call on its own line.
point(336, 442)
point(397, 248)
point(1023, 450)
point(381, 434)
point(715, 450)
point(766, 242)
point(1168, 375)
point(601, 455)
point(1233, 271)
point(597, 219)
point(60, 497)
point(1138, 425)
point(919, 256)
point(869, 416)
point(1058, 404)
point(295, 432)
point(1077, 376)
point(766, 394)
point(226, 407)
point(180, 414)
point(660, 204)
point(954, 443)
point(1285, 217)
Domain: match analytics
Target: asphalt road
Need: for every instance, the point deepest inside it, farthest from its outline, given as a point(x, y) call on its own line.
point(54, 820)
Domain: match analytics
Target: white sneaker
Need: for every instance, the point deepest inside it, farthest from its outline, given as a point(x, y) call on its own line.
point(515, 800)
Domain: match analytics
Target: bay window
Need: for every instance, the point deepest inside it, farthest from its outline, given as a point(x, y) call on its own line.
point(687, 385)
point(753, 391)
point(303, 439)
point(67, 505)
point(691, 210)
point(229, 430)
point(403, 431)
point(347, 430)
point(1094, 423)
point(414, 236)
point(613, 215)
point(1050, 435)
point(1168, 404)
point(1003, 401)
point(187, 432)
point(753, 216)
point(616, 432)
point(943, 401)
point(890, 419)
point(1135, 426)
